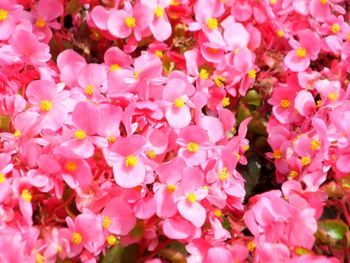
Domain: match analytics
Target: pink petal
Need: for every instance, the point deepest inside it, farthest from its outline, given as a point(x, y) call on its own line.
point(193, 212)
point(305, 103)
point(176, 228)
point(129, 177)
point(296, 64)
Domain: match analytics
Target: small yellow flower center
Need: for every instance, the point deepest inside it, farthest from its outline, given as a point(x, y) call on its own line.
point(106, 222)
point(26, 195)
point(151, 154)
point(46, 105)
point(315, 144)
point(224, 174)
point(114, 67)
point(245, 148)
point(39, 258)
point(59, 249)
point(237, 155)
point(130, 161)
point(3, 15)
point(301, 52)
point(319, 103)
point(40, 23)
point(324, 2)
point(130, 21)
point(71, 166)
point(252, 74)
point(273, 2)
point(212, 23)
point(306, 160)
point(225, 102)
point(285, 103)
point(136, 74)
point(191, 197)
point(17, 133)
point(217, 212)
point(89, 90)
point(159, 11)
point(277, 154)
point(335, 28)
point(171, 188)
point(220, 81)
point(111, 139)
point(292, 174)
point(203, 74)
point(158, 53)
point(280, 33)
point(2, 178)
point(111, 240)
point(348, 37)
point(80, 134)
point(192, 147)
point(333, 96)
point(76, 238)
point(251, 246)
point(179, 103)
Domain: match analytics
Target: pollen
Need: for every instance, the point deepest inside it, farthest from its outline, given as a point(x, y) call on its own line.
point(76, 238)
point(335, 28)
point(203, 74)
point(348, 37)
point(111, 139)
point(17, 133)
point(217, 213)
point(130, 22)
point(39, 258)
point(273, 2)
point(130, 161)
point(280, 33)
point(191, 197)
point(252, 74)
point(220, 81)
point(2, 178)
point(315, 145)
point(171, 188)
point(26, 195)
point(111, 240)
point(89, 90)
point(245, 148)
point(224, 174)
point(59, 249)
point(285, 103)
point(40, 23)
point(192, 147)
point(114, 67)
point(136, 74)
point(251, 246)
point(106, 222)
point(46, 105)
point(306, 160)
point(292, 174)
point(179, 103)
point(4, 14)
point(301, 52)
point(324, 2)
point(333, 96)
point(212, 23)
point(158, 53)
point(225, 102)
point(159, 11)
point(71, 166)
point(79, 134)
point(151, 154)
point(277, 154)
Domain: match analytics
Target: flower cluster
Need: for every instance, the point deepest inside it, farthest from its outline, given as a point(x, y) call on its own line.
point(125, 125)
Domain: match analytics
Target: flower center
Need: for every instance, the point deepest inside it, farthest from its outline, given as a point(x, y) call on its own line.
point(151, 154)
point(224, 174)
point(191, 197)
point(333, 96)
point(26, 195)
point(136, 74)
point(46, 105)
point(252, 74)
point(2, 178)
point(130, 21)
point(4, 14)
point(17, 133)
point(225, 102)
point(179, 103)
point(171, 188)
point(40, 23)
point(111, 240)
point(71, 166)
point(76, 238)
point(306, 160)
point(111, 139)
point(217, 212)
point(114, 67)
point(220, 81)
point(106, 222)
point(80, 134)
point(315, 144)
point(292, 174)
point(89, 90)
point(192, 147)
point(212, 23)
point(324, 2)
point(285, 103)
point(335, 28)
point(280, 33)
point(301, 52)
point(277, 154)
point(203, 74)
point(130, 161)
point(159, 11)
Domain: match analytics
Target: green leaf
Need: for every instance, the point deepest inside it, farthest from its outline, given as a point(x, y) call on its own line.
point(114, 255)
point(252, 98)
point(333, 228)
point(177, 246)
point(226, 224)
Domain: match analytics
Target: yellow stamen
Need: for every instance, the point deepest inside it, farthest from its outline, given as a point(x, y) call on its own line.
point(217, 212)
point(130, 161)
point(2, 178)
point(192, 147)
point(39, 258)
point(59, 249)
point(324, 1)
point(111, 139)
point(285, 103)
point(220, 81)
point(171, 188)
point(225, 102)
point(111, 240)
point(212, 23)
point(333, 96)
point(319, 103)
point(252, 74)
point(293, 174)
point(179, 103)
point(26, 195)
point(348, 37)
point(159, 11)
point(273, 2)
point(315, 144)
point(17, 133)
point(306, 160)
point(335, 28)
point(224, 174)
point(71, 166)
point(191, 197)
point(80, 134)
point(3, 14)
point(203, 74)
point(151, 154)
point(301, 52)
point(277, 154)
point(89, 90)
point(130, 21)
point(114, 67)
point(158, 53)
point(280, 33)
point(106, 222)
point(136, 74)
point(46, 105)
point(76, 238)
point(251, 246)
point(245, 148)
point(40, 23)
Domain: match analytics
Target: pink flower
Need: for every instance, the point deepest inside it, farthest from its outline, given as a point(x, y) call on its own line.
point(9, 17)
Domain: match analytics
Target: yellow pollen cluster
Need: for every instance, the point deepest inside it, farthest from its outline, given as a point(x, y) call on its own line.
point(251, 246)
point(179, 103)
point(292, 174)
point(159, 11)
point(220, 81)
point(39, 258)
point(111, 139)
point(2, 178)
point(348, 37)
point(280, 33)
point(17, 133)
point(315, 144)
point(79, 134)
point(130, 21)
point(301, 52)
point(76, 238)
point(212, 23)
point(114, 67)
point(71, 166)
point(151, 154)
point(111, 240)
point(335, 28)
point(333, 96)
point(225, 102)
point(273, 2)
point(191, 197)
point(4, 14)
point(46, 105)
point(106, 222)
point(136, 74)
point(192, 147)
point(306, 160)
point(158, 53)
point(217, 212)
point(324, 2)
point(130, 161)
point(203, 74)
point(224, 174)
point(277, 154)
point(285, 103)
point(26, 195)
point(171, 188)
point(252, 74)
point(89, 90)
point(40, 23)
